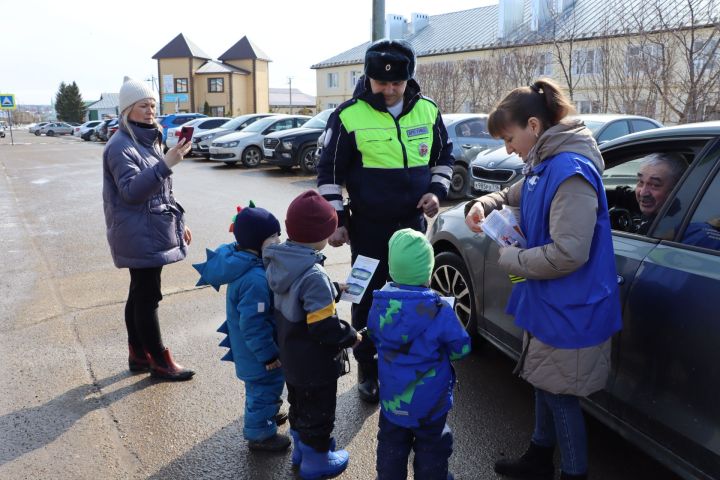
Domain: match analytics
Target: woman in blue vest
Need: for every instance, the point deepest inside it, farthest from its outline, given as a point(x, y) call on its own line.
point(568, 304)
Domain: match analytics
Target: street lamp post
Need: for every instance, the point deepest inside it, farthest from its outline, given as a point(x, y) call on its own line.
point(290, 93)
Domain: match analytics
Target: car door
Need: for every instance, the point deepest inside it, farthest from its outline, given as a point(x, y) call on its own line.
point(666, 383)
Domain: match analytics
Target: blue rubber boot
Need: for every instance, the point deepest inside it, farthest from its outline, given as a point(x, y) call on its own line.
point(297, 453)
point(316, 464)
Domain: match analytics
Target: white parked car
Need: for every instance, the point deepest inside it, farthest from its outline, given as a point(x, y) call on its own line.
point(200, 125)
point(56, 128)
point(85, 127)
point(201, 143)
point(247, 145)
point(36, 126)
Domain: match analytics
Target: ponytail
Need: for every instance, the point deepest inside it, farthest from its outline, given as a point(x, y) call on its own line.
point(543, 100)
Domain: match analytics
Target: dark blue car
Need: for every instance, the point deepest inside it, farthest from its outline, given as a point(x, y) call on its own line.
point(662, 393)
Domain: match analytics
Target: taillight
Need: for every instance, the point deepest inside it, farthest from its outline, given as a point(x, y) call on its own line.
point(177, 133)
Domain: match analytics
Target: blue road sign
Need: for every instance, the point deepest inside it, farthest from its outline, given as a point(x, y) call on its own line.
point(7, 101)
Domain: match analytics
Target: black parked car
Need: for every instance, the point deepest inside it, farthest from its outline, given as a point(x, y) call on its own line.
point(288, 148)
point(662, 393)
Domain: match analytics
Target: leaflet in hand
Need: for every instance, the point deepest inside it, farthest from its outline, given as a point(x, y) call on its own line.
point(502, 226)
point(359, 278)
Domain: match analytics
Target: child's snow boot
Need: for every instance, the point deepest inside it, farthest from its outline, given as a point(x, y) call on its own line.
point(316, 464)
point(276, 443)
point(297, 453)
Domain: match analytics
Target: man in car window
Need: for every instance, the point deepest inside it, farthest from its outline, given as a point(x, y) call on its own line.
point(657, 176)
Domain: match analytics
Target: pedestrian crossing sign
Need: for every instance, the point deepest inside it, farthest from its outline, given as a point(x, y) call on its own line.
point(7, 101)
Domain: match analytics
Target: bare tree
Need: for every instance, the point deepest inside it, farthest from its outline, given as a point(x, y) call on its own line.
point(686, 46)
point(443, 82)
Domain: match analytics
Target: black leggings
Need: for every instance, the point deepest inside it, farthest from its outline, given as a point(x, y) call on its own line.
point(141, 317)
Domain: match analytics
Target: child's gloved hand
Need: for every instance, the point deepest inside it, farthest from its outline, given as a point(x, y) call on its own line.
point(342, 287)
point(273, 365)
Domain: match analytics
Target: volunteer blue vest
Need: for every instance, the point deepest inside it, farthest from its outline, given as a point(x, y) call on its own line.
point(581, 309)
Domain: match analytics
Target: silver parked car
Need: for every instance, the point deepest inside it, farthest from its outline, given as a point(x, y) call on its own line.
point(202, 141)
point(32, 128)
point(56, 128)
point(662, 391)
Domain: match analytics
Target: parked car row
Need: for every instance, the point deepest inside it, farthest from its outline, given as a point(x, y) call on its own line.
point(664, 359)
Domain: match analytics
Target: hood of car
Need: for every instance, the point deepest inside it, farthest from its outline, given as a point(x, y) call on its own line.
point(497, 158)
point(213, 131)
point(291, 132)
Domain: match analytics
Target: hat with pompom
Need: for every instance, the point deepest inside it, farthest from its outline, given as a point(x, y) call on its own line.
point(252, 226)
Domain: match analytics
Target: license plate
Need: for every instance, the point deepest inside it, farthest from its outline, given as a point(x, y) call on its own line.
point(487, 187)
point(268, 153)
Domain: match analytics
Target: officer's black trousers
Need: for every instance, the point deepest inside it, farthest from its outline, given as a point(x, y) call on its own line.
point(370, 237)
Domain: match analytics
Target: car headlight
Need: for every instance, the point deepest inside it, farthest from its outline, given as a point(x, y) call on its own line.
point(287, 144)
point(230, 144)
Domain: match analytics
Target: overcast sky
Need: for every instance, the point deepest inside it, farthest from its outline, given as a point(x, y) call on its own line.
point(96, 43)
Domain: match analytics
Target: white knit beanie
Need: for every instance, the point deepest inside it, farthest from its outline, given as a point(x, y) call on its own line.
point(133, 91)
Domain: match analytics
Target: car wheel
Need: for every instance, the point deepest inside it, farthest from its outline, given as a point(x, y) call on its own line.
point(50, 133)
point(307, 160)
point(450, 278)
point(251, 157)
point(458, 182)
point(37, 133)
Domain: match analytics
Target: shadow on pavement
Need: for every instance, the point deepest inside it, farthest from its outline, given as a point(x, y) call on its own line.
point(31, 428)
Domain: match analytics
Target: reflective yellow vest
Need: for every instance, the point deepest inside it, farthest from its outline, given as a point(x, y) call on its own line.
point(389, 143)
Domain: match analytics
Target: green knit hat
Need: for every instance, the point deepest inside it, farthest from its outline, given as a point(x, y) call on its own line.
point(411, 257)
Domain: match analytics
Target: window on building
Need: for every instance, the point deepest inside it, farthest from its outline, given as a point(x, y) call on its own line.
point(354, 77)
point(587, 61)
point(181, 85)
point(217, 111)
point(643, 58)
point(545, 63)
point(588, 106)
point(706, 54)
point(333, 80)
point(216, 85)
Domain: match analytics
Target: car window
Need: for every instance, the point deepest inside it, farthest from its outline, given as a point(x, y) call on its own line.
point(181, 120)
point(641, 125)
point(212, 124)
point(704, 227)
point(282, 125)
point(614, 130)
point(299, 122)
point(476, 128)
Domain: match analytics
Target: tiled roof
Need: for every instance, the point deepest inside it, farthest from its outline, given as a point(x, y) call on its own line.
point(244, 49)
point(180, 47)
point(211, 66)
point(107, 100)
point(477, 28)
point(281, 97)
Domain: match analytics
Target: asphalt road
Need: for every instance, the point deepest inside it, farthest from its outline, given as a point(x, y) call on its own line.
point(69, 407)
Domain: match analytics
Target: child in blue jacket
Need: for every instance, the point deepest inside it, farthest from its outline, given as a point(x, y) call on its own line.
point(417, 335)
point(250, 324)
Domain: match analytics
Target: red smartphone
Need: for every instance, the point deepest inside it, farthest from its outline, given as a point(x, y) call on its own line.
point(186, 133)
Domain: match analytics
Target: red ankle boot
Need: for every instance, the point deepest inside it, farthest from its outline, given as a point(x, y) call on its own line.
point(164, 367)
point(137, 360)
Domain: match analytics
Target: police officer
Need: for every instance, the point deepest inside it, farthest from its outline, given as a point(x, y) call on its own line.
point(388, 146)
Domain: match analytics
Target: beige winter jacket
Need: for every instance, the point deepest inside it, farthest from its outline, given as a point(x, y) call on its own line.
point(573, 214)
